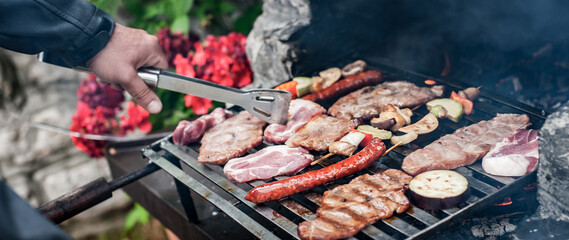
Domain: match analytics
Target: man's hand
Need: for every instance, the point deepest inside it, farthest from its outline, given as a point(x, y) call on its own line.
point(128, 50)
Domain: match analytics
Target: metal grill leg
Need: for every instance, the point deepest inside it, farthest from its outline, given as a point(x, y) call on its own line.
point(185, 197)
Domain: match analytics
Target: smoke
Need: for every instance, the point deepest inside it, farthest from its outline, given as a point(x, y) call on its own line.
point(416, 34)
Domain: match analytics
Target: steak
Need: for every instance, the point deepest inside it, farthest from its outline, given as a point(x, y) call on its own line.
point(267, 163)
point(299, 112)
point(232, 138)
point(370, 101)
point(348, 208)
point(465, 145)
point(319, 133)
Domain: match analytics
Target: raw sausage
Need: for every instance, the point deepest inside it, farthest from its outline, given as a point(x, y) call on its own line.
point(346, 85)
point(303, 182)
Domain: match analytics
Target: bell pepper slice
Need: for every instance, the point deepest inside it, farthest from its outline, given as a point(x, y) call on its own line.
point(467, 105)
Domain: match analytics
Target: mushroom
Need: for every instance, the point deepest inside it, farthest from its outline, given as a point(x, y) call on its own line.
point(317, 83)
point(330, 75)
point(385, 116)
point(427, 124)
point(354, 68)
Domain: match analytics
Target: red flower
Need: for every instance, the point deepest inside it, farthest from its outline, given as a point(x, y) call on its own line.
point(137, 117)
point(91, 121)
point(96, 114)
point(221, 60)
point(183, 66)
point(199, 105)
point(95, 94)
point(174, 44)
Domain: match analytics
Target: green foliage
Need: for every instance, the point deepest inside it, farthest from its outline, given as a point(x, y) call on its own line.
point(137, 215)
point(154, 15)
point(173, 110)
point(244, 23)
point(109, 6)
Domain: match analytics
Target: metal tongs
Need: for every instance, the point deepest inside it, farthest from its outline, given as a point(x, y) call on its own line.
point(269, 105)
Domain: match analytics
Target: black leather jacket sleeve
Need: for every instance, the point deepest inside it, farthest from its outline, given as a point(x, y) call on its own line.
point(20, 221)
point(76, 30)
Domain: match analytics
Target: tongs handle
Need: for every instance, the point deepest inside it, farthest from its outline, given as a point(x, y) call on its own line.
point(163, 79)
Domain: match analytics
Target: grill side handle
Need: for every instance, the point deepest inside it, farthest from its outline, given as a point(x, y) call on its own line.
point(91, 194)
point(76, 201)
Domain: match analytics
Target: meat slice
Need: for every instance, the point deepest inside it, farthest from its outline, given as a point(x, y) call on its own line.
point(299, 112)
point(188, 132)
point(319, 133)
point(515, 156)
point(230, 139)
point(267, 163)
point(348, 208)
point(370, 101)
point(465, 145)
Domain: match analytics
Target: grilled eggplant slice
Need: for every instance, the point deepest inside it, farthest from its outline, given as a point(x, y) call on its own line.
point(439, 189)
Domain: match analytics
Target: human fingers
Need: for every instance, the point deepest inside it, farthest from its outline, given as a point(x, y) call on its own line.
point(142, 94)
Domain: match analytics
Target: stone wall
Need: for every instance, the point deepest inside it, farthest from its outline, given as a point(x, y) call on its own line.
point(41, 165)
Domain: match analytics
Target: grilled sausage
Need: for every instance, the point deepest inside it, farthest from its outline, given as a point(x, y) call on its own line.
point(303, 182)
point(346, 85)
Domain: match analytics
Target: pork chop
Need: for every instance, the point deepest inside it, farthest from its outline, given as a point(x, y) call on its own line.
point(299, 112)
point(465, 145)
point(319, 133)
point(230, 139)
point(370, 101)
point(348, 208)
point(267, 163)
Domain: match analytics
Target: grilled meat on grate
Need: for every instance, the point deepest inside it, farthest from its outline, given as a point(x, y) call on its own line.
point(370, 101)
point(188, 132)
point(231, 138)
point(319, 133)
point(267, 163)
point(299, 112)
point(348, 208)
point(465, 145)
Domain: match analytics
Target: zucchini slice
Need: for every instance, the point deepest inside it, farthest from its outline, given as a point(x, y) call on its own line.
point(439, 189)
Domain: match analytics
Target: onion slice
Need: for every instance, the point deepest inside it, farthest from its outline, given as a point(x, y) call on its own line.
point(439, 189)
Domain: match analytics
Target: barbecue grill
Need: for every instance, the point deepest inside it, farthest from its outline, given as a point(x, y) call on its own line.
point(279, 219)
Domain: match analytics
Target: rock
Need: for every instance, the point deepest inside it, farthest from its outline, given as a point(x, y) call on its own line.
point(553, 169)
point(268, 45)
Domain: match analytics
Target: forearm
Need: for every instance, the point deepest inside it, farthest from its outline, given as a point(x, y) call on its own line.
point(74, 29)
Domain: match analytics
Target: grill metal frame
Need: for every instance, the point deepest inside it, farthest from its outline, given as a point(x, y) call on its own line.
point(279, 219)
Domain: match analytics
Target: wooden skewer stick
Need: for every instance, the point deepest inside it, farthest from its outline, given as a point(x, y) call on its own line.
point(330, 154)
point(391, 148)
point(320, 159)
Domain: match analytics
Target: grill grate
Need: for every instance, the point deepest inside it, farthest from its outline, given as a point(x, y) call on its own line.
point(279, 219)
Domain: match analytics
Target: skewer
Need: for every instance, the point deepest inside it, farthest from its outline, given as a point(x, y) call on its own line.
point(391, 148)
point(321, 159)
point(330, 154)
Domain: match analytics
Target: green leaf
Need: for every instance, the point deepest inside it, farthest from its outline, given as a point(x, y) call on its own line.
point(181, 24)
point(134, 7)
point(226, 7)
point(245, 22)
point(136, 215)
point(109, 6)
point(154, 10)
point(178, 8)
